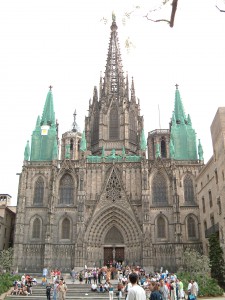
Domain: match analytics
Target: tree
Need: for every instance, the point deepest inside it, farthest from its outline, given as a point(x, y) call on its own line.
point(195, 263)
point(216, 259)
point(6, 259)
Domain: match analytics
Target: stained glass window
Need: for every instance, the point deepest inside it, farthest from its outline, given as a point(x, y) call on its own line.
point(113, 124)
point(188, 190)
point(66, 190)
point(36, 234)
point(191, 227)
point(159, 187)
point(65, 229)
point(39, 191)
point(161, 227)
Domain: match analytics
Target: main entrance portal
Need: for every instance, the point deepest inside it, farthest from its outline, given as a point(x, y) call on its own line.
point(112, 254)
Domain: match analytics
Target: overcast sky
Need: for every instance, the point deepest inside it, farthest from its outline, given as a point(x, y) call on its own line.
point(64, 43)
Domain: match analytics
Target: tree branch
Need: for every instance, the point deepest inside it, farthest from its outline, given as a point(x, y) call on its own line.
point(220, 9)
point(172, 16)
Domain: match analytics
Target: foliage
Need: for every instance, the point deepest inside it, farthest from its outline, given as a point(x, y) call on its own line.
point(6, 259)
point(6, 281)
point(195, 263)
point(207, 285)
point(216, 258)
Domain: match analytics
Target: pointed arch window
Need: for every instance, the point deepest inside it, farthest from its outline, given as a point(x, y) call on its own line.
point(133, 129)
point(163, 148)
point(113, 124)
point(191, 228)
point(188, 190)
point(161, 228)
point(159, 184)
point(65, 232)
point(66, 190)
point(36, 232)
point(39, 191)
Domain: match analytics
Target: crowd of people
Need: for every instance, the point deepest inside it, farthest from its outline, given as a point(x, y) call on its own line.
point(131, 284)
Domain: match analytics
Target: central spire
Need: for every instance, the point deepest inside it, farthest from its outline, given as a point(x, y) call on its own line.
point(114, 80)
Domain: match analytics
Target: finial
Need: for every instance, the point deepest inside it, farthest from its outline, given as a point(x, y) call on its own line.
point(74, 121)
point(176, 85)
point(50, 87)
point(113, 17)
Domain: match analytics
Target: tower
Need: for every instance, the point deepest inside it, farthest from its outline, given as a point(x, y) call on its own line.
point(114, 119)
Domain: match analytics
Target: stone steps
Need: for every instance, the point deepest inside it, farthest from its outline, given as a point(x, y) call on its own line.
point(75, 291)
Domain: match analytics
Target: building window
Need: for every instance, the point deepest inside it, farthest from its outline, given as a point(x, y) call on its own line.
point(113, 124)
point(65, 229)
point(159, 190)
point(191, 227)
point(161, 228)
point(36, 233)
point(203, 204)
point(163, 148)
point(210, 199)
point(66, 190)
point(205, 225)
point(212, 220)
point(188, 189)
point(39, 191)
point(216, 176)
point(219, 206)
point(223, 175)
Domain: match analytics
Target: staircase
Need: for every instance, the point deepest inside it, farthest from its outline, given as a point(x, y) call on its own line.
point(75, 292)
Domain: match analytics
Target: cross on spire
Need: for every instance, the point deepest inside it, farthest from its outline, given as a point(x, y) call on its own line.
point(176, 85)
point(50, 87)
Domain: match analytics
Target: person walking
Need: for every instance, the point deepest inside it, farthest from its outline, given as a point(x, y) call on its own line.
point(110, 291)
point(136, 292)
point(48, 291)
point(62, 288)
point(155, 294)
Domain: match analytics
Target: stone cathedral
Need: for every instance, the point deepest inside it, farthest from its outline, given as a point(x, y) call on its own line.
point(108, 194)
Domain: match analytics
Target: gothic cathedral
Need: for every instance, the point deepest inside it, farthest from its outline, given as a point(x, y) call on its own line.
point(111, 195)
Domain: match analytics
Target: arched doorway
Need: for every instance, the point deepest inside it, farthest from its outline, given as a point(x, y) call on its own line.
point(113, 247)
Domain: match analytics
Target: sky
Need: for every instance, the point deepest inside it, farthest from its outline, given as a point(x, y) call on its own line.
point(65, 44)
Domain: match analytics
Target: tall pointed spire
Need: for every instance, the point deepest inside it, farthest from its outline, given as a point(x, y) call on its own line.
point(44, 136)
point(183, 137)
point(133, 97)
point(48, 115)
point(74, 129)
point(178, 107)
point(114, 79)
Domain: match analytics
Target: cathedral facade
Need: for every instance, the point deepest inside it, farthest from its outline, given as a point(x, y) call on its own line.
point(111, 195)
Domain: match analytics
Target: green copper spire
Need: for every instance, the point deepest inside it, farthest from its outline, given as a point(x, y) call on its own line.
point(48, 115)
point(182, 136)
point(45, 134)
point(178, 107)
point(27, 151)
point(83, 143)
point(200, 151)
point(143, 143)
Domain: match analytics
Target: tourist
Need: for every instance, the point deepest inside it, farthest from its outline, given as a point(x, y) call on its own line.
point(73, 275)
point(48, 291)
point(155, 294)
point(194, 288)
point(62, 288)
point(136, 292)
point(94, 287)
point(189, 289)
point(55, 289)
point(163, 289)
point(173, 286)
point(110, 291)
